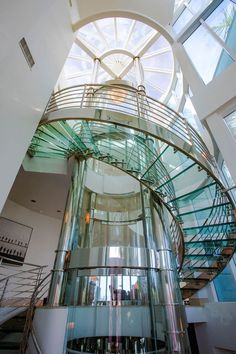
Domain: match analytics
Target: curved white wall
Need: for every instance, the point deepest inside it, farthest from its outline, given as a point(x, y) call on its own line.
point(111, 184)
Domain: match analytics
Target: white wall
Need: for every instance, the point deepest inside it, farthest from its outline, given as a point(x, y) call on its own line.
point(156, 10)
point(224, 140)
point(45, 235)
point(111, 184)
point(50, 328)
point(23, 92)
point(219, 331)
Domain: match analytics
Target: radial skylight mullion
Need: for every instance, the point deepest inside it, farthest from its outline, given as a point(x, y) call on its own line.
point(130, 33)
point(147, 42)
point(156, 52)
point(79, 57)
point(87, 48)
point(156, 87)
point(78, 74)
point(115, 32)
point(129, 64)
point(96, 25)
point(140, 51)
point(157, 70)
point(108, 70)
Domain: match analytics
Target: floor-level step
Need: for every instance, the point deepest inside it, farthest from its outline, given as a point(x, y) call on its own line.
point(11, 333)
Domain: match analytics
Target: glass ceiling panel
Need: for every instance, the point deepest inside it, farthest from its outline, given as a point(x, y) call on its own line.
point(116, 42)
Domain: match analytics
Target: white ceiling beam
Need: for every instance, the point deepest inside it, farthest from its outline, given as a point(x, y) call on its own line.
point(156, 52)
point(152, 38)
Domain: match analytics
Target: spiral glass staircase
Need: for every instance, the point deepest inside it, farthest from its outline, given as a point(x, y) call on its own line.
point(124, 128)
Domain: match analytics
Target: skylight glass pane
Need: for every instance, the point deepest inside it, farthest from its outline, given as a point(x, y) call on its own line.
point(182, 20)
point(90, 35)
point(190, 114)
point(123, 28)
point(223, 22)
point(109, 39)
point(192, 8)
point(138, 35)
point(196, 5)
point(161, 80)
point(230, 121)
point(207, 55)
point(159, 44)
point(106, 32)
point(162, 60)
point(177, 92)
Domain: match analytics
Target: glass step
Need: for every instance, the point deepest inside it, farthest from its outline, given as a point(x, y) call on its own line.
point(204, 211)
point(174, 177)
point(218, 228)
point(210, 243)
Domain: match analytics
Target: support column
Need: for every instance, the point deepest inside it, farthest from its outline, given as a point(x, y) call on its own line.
point(139, 74)
point(69, 231)
point(157, 235)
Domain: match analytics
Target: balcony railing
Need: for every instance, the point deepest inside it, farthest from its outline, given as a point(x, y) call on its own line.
point(18, 282)
point(132, 103)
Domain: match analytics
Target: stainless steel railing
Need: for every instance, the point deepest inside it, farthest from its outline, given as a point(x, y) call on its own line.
point(18, 281)
point(130, 101)
point(39, 292)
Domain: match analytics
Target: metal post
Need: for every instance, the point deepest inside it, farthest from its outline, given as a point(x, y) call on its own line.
point(158, 238)
point(4, 290)
point(68, 226)
point(176, 324)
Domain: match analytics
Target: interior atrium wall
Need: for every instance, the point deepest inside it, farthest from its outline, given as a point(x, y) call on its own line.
point(24, 92)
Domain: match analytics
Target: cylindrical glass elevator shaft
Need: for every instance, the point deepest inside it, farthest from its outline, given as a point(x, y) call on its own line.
point(115, 271)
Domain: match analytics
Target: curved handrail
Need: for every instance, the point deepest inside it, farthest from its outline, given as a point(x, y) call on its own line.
point(17, 286)
point(130, 101)
point(64, 138)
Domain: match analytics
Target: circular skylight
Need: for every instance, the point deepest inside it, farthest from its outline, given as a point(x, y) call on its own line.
point(106, 50)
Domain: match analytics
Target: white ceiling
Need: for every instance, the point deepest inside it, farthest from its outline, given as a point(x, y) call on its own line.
point(48, 190)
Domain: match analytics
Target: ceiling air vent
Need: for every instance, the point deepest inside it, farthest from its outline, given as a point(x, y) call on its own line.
point(26, 52)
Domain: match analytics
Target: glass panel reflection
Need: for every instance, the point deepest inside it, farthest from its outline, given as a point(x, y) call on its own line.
point(113, 310)
point(103, 287)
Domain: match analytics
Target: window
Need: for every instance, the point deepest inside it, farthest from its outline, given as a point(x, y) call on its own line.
point(190, 9)
point(210, 42)
point(206, 54)
point(230, 121)
point(223, 22)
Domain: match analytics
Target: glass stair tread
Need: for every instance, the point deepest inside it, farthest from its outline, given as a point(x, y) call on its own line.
point(202, 269)
point(226, 226)
point(9, 345)
point(123, 147)
point(196, 211)
point(175, 176)
point(209, 256)
point(190, 194)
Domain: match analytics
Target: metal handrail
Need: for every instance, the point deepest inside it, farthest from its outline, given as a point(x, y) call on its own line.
point(28, 328)
point(130, 101)
point(17, 287)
